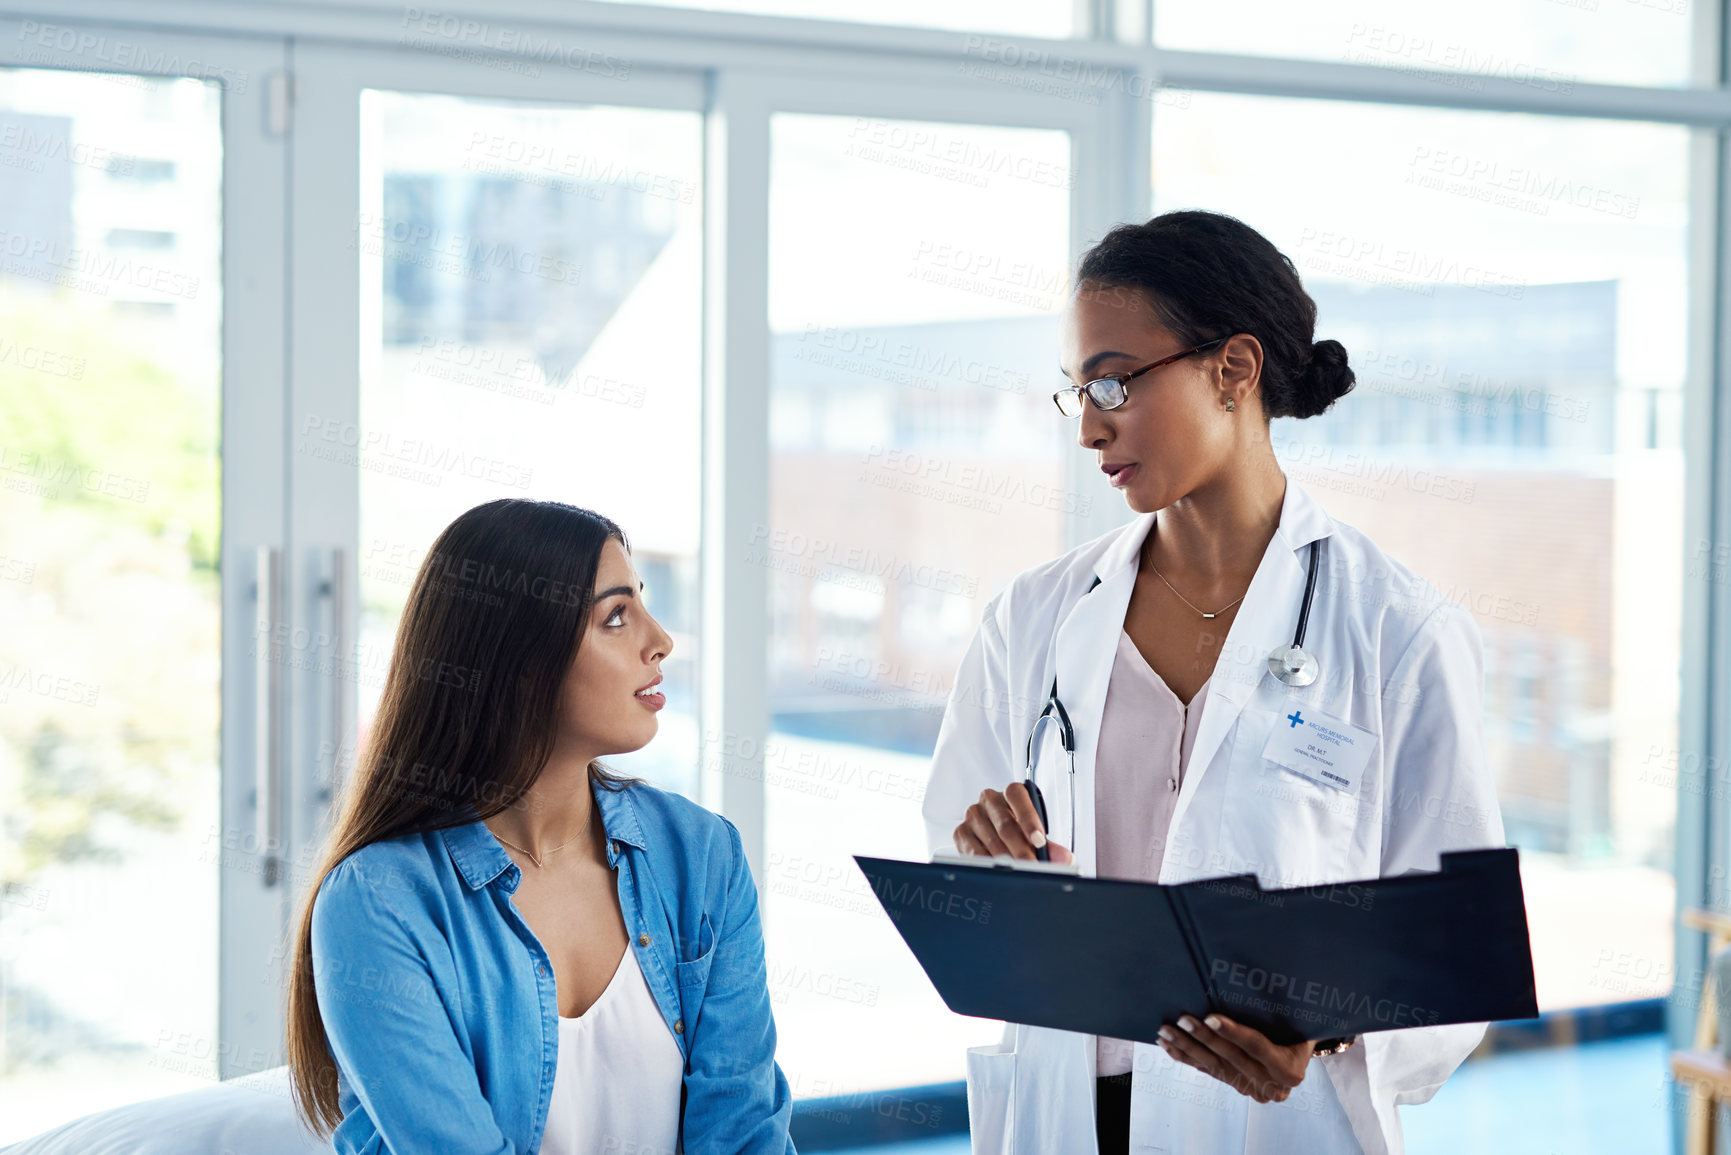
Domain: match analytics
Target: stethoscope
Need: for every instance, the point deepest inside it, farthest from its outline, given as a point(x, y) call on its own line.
point(1293, 665)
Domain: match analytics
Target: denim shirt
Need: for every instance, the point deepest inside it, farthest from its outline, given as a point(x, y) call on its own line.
point(440, 1004)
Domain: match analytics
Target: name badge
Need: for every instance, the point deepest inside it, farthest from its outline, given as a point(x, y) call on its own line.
point(1320, 746)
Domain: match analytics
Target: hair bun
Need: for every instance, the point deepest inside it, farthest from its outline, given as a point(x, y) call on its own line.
point(1327, 379)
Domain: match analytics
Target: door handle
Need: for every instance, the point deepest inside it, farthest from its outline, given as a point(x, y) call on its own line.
point(335, 589)
point(267, 768)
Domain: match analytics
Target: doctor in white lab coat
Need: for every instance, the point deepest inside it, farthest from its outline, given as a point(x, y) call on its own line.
point(1221, 531)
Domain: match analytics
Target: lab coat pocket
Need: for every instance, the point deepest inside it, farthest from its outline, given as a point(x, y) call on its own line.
point(694, 973)
point(1286, 828)
point(991, 1086)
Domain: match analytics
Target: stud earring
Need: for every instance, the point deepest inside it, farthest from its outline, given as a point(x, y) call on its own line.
point(1231, 405)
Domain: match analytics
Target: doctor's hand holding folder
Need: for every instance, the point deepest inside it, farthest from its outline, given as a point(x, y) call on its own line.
point(1303, 971)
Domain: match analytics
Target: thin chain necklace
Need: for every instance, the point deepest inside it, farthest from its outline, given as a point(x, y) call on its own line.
point(1190, 603)
point(531, 853)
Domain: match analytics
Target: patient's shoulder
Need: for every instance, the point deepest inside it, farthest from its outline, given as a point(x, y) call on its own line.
point(395, 873)
point(672, 821)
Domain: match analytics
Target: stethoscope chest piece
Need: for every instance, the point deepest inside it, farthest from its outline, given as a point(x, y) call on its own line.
point(1293, 665)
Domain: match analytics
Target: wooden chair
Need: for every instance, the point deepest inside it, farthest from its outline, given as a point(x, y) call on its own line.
point(1705, 1071)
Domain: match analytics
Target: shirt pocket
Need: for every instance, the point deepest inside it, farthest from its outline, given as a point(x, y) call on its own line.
point(693, 974)
point(1285, 828)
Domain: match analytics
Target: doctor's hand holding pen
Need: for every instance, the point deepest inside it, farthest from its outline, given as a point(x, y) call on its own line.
point(1006, 822)
point(1010, 822)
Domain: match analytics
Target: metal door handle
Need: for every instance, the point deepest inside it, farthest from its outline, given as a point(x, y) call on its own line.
point(336, 589)
point(267, 769)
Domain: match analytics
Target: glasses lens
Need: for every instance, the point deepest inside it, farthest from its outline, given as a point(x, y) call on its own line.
point(1108, 392)
point(1069, 401)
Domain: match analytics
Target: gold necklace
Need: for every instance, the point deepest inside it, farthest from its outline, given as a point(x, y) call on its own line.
point(1190, 603)
point(531, 853)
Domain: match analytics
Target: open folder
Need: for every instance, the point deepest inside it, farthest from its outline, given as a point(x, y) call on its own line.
point(1119, 958)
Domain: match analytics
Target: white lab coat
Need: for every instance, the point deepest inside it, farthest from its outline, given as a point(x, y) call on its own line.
point(1396, 659)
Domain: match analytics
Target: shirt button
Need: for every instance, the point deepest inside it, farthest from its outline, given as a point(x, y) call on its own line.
point(1172, 783)
point(642, 940)
point(679, 1026)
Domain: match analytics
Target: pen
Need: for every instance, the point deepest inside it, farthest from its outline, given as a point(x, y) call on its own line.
point(1040, 852)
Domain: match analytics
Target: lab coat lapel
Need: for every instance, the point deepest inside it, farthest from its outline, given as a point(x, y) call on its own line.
point(1265, 619)
point(1086, 647)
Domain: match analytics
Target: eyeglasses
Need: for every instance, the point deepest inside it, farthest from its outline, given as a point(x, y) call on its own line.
point(1112, 390)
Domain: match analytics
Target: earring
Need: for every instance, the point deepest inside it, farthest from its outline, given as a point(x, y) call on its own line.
point(1231, 405)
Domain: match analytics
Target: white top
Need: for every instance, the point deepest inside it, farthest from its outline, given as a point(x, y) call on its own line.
point(616, 1085)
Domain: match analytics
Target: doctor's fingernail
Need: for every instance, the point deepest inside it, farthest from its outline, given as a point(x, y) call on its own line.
point(1188, 1024)
point(1165, 1033)
point(1038, 839)
point(1213, 1022)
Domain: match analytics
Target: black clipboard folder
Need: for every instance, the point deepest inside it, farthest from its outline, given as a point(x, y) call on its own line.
point(1120, 958)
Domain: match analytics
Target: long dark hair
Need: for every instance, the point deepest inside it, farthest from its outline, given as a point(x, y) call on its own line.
point(1209, 275)
point(468, 716)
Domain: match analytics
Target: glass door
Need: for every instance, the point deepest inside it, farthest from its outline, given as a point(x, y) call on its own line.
point(530, 301)
point(498, 294)
point(136, 490)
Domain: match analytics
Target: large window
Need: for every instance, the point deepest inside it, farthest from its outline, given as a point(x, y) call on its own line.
point(1512, 291)
point(915, 273)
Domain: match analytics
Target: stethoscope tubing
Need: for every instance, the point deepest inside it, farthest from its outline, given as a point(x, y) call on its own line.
point(1309, 593)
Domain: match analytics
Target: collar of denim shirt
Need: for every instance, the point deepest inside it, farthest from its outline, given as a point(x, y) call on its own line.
point(480, 858)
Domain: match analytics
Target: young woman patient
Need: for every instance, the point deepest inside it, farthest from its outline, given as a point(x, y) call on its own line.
point(509, 949)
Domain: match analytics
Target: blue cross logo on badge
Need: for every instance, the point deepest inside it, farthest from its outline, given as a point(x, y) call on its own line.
point(1296, 718)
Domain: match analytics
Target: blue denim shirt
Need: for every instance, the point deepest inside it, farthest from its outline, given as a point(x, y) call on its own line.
point(440, 1003)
